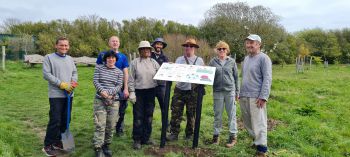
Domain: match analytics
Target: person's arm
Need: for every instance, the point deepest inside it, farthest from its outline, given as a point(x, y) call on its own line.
point(125, 70)
point(131, 77)
point(235, 76)
point(47, 72)
point(74, 73)
point(99, 58)
point(126, 77)
point(266, 68)
point(96, 82)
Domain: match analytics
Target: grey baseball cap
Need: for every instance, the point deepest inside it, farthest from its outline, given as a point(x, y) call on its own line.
point(254, 37)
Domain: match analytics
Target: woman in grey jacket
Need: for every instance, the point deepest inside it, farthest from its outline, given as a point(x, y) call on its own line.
point(225, 91)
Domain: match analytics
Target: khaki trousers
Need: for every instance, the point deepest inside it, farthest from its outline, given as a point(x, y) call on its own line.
point(254, 119)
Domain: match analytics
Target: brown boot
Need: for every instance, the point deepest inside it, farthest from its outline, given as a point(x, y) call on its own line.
point(216, 139)
point(231, 141)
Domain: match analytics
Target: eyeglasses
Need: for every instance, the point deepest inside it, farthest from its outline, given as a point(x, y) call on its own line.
point(219, 49)
point(191, 46)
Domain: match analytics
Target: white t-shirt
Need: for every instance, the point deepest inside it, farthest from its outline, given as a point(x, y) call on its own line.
point(191, 60)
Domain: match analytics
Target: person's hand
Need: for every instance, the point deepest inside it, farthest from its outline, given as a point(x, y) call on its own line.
point(74, 84)
point(104, 94)
point(126, 93)
point(132, 97)
point(66, 86)
point(260, 103)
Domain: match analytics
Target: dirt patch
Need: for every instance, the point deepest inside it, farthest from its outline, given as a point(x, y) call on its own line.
point(271, 124)
point(188, 152)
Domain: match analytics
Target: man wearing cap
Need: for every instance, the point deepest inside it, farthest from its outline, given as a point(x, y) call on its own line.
point(255, 91)
point(142, 72)
point(160, 57)
point(185, 94)
point(122, 64)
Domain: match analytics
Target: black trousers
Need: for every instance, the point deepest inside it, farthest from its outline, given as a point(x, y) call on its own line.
point(143, 114)
point(57, 120)
point(160, 94)
point(119, 127)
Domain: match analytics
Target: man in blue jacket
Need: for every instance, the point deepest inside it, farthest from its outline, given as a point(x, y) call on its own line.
point(123, 65)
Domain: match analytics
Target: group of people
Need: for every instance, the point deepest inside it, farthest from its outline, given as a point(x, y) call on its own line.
point(116, 82)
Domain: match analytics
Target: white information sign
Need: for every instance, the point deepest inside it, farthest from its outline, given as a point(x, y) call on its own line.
point(186, 73)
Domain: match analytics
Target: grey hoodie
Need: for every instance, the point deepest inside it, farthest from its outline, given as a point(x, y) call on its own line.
point(226, 75)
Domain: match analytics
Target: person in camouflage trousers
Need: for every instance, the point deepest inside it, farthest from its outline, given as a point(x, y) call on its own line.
point(105, 118)
point(185, 94)
point(108, 80)
point(180, 98)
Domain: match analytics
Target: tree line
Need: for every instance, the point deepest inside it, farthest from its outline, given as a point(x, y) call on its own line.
point(230, 22)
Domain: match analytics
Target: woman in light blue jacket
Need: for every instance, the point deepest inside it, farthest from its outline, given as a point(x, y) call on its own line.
point(225, 92)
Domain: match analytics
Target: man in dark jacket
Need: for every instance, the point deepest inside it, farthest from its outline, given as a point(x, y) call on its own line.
point(160, 57)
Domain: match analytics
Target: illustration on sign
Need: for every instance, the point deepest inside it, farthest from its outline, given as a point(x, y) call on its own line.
point(186, 73)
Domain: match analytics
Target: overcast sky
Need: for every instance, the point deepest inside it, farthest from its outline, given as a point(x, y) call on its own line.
point(295, 15)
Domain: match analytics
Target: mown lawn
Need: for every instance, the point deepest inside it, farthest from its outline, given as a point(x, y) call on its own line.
point(311, 112)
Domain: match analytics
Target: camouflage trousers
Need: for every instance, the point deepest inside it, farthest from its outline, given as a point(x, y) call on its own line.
point(105, 118)
point(182, 98)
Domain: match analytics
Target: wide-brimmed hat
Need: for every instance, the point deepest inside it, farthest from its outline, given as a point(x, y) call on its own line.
point(191, 42)
point(254, 37)
point(144, 44)
point(159, 40)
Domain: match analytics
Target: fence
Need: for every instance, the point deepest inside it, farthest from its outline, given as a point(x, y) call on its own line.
point(2, 58)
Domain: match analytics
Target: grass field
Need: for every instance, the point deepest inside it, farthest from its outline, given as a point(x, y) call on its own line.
point(311, 113)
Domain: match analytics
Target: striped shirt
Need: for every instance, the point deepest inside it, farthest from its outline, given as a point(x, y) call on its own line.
point(107, 79)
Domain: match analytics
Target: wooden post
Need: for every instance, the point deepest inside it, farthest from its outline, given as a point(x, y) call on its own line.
point(3, 57)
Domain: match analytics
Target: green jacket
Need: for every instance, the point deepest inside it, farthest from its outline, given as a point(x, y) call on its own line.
point(226, 75)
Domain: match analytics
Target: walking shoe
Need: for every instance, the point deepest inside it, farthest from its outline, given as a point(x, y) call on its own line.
point(260, 154)
point(215, 140)
point(49, 150)
point(106, 150)
point(58, 146)
point(98, 152)
point(149, 142)
point(231, 141)
point(189, 137)
point(261, 151)
point(137, 145)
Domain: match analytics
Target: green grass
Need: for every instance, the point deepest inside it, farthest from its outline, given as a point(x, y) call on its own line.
point(312, 109)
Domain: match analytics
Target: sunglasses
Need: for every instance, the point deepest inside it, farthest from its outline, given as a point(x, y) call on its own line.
point(191, 46)
point(219, 49)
